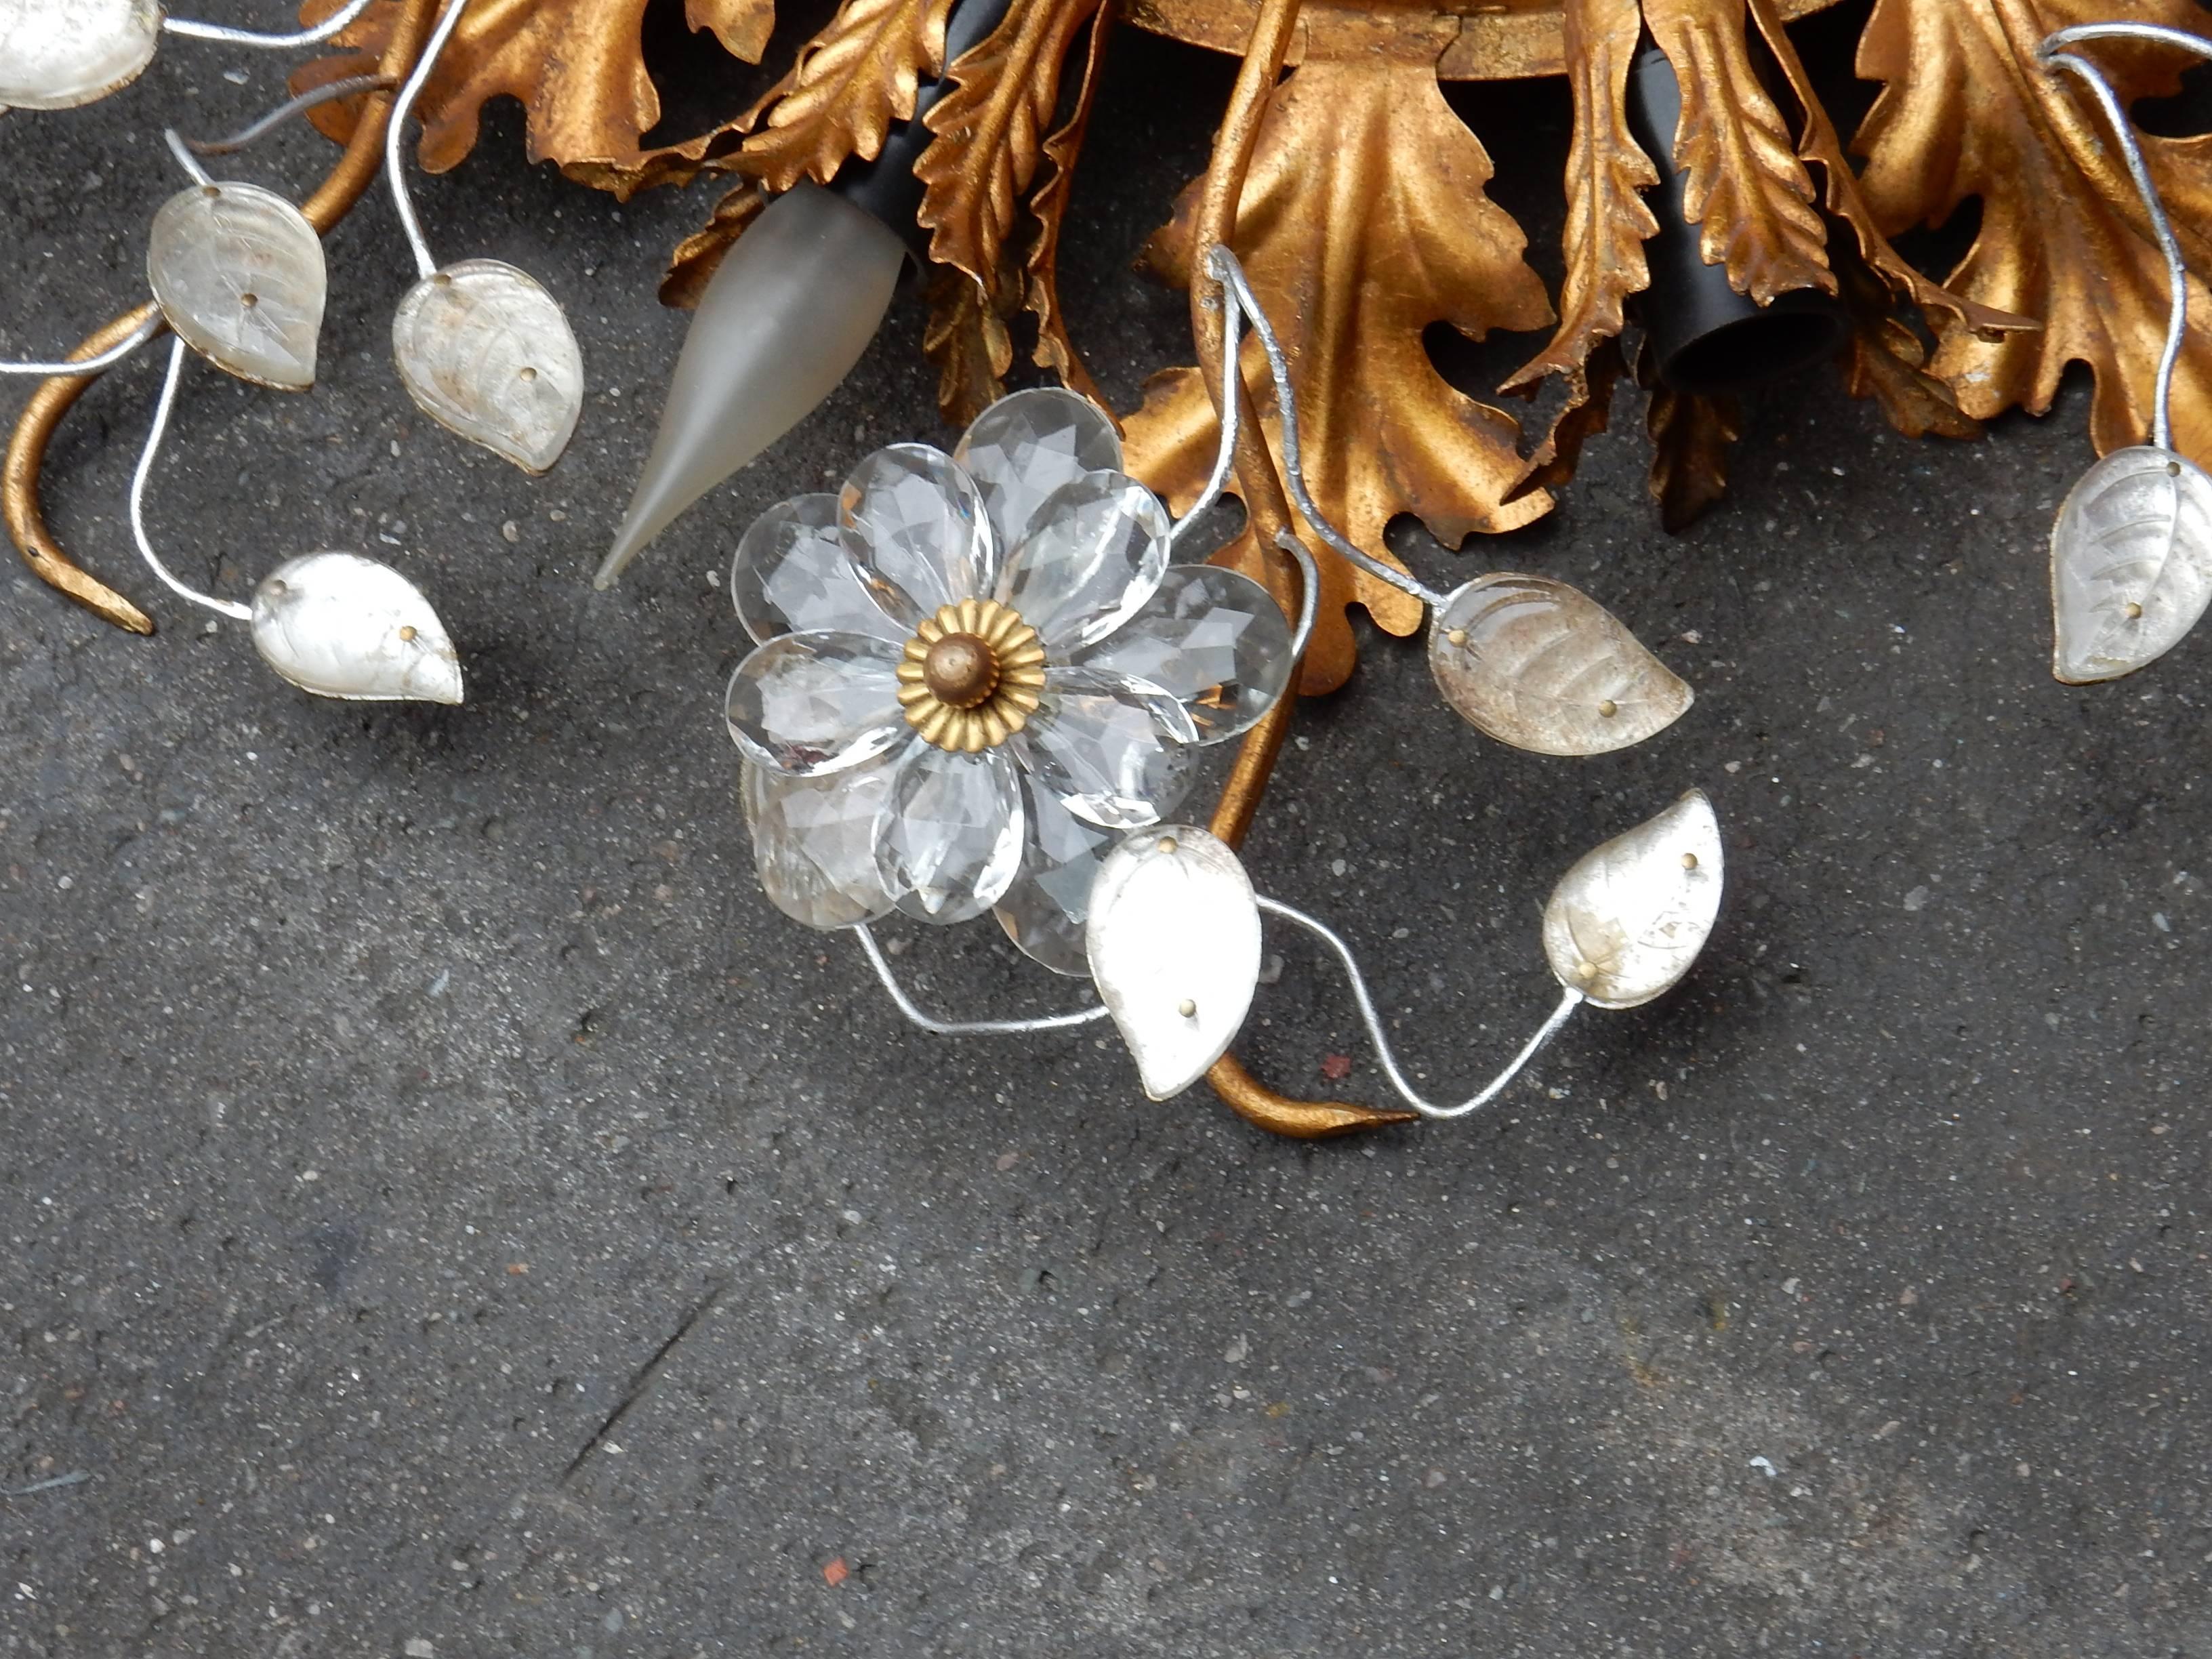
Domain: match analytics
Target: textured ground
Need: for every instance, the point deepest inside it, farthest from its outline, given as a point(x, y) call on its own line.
point(446, 1211)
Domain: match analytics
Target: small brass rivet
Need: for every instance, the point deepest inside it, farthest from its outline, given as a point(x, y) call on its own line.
point(1586, 971)
point(407, 630)
point(528, 373)
point(1186, 1007)
point(1689, 860)
point(1167, 843)
point(961, 670)
point(249, 300)
point(1609, 708)
point(1457, 636)
point(2135, 610)
point(441, 279)
point(2173, 469)
point(210, 191)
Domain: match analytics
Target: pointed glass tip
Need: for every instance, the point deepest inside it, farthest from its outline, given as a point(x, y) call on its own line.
point(793, 305)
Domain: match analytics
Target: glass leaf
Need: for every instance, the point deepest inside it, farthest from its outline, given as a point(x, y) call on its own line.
point(2130, 564)
point(1211, 638)
point(1174, 945)
point(812, 703)
point(239, 273)
point(814, 842)
point(343, 626)
point(1624, 924)
point(58, 54)
point(918, 523)
point(1095, 552)
point(486, 352)
point(948, 841)
point(1541, 665)
point(795, 573)
point(1044, 911)
point(1024, 446)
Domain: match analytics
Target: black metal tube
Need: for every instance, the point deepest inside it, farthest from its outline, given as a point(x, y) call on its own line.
point(885, 185)
point(1704, 335)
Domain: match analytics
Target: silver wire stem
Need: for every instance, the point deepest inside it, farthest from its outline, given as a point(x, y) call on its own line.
point(2161, 227)
point(1569, 1000)
point(1230, 274)
point(284, 112)
point(185, 159)
point(98, 363)
point(154, 435)
point(334, 24)
point(962, 1028)
point(395, 130)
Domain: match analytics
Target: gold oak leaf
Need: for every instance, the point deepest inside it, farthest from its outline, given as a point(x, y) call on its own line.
point(1690, 438)
point(578, 68)
point(1966, 112)
point(851, 81)
point(1362, 220)
point(699, 255)
point(1747, 192)
point(1606, 227)
point(966, 337)
point(1886, 361)
point(1054, 349)
point(988, 126)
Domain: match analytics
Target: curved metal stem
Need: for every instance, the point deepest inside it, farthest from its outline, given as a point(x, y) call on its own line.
point(99, 362)
point(2161, 227)
point(958, 1027)
point(178, 352)
point(185, 159)
point(1569, 1001)
point(327, 93)
point(335, 24)
point(394, 167)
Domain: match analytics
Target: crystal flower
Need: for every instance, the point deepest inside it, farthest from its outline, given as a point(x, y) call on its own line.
point(975, 672)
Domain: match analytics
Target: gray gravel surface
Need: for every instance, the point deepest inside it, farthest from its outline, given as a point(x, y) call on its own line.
point(446, 1211)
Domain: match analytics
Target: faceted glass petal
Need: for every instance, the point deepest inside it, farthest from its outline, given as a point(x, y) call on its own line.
point(949, 838)
point(918, 525)
point(814, 842)
point(1211, 638)
point(813, 703)
point(1112, 748)
point(1023, 448)
point(1044, 911)
point(794, 573)
point(1095, 552)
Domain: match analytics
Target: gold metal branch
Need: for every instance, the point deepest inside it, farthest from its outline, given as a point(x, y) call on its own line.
point(333, 199)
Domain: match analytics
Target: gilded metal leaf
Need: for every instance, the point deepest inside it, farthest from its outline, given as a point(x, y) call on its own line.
point(486, 352)
point(2130, 564)
point(1054, 349)
point(989, 123)
point(1362, 222)
point(699, 255)
point(239, 272)
point(1532, 662)
point(1886, 361)
point(340, 625)
point(1689, 437)
point(966, 337)
point(851, 81)
point(1626, 922)
point(1173, 937)
point(1747, 192)
point(1967, 112)
point(578, 68)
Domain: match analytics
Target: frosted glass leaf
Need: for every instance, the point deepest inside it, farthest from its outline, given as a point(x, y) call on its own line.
point(794, 572)
point(809, 704)
point(1211, 637)
point(1095, 551)
point(1111, 748)
point(56, 54)
point(1624, 924)
point(1044, 911)
point(918, 523)
point(949, 840)
point(2130, 564)
point(486, 352)
point(343, 626)
point(1028, 445)
point(814, 842)
point(1541, 665)
point(239, 273)
point(1174, 945)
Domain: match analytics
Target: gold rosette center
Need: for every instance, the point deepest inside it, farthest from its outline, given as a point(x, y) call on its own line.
point(970, 676)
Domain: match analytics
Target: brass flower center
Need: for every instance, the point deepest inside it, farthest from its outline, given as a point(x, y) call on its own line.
point(970, 676)
point(961, 669)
